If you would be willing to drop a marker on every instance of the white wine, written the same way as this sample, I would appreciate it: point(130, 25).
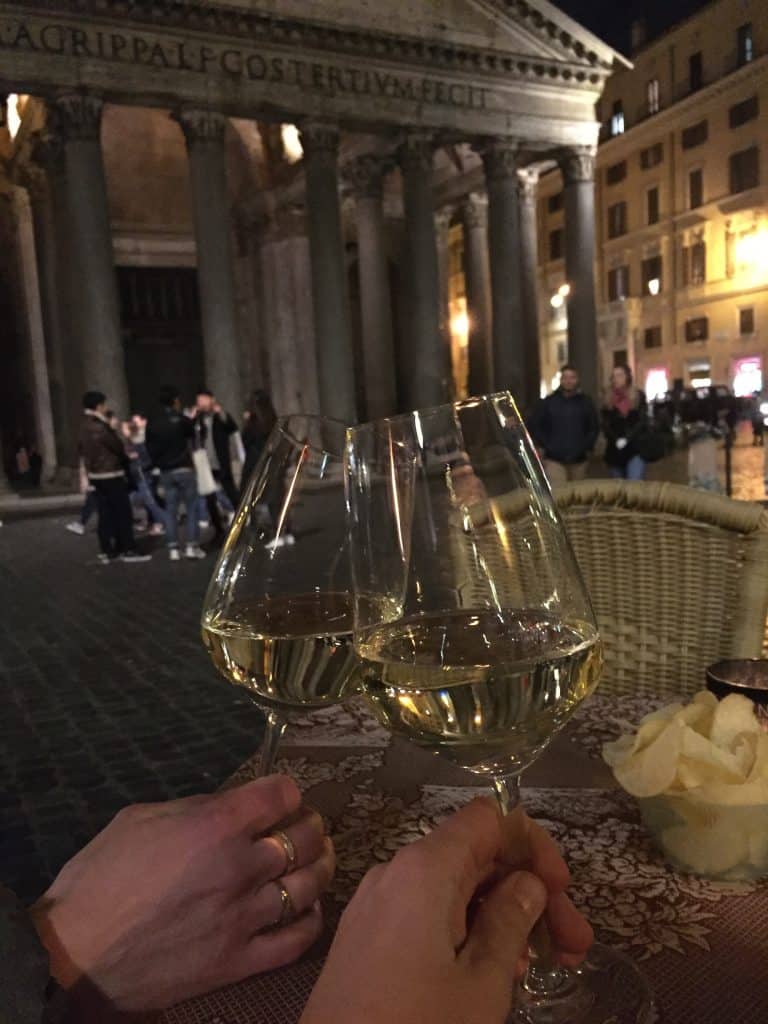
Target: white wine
point(485, 690)
point(291, 651)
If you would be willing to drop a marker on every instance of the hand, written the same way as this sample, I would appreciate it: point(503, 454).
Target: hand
point(216, 407)
point(416, 945)
point(171, 900)
point(621, 443)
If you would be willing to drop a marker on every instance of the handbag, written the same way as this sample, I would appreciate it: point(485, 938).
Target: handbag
point(650, 444)
point(205, 481)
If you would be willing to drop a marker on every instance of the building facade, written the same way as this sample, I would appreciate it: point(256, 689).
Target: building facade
point(682, 210)
point(264, 194)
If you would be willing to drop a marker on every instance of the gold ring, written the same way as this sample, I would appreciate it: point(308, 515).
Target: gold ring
point(287, 909)
point(288, 848)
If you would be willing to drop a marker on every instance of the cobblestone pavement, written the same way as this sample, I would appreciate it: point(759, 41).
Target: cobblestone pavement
point(108, 697)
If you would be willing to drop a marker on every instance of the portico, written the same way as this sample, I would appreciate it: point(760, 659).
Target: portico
point(399, 119)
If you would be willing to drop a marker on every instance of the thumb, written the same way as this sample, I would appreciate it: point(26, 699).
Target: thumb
point(500, 930)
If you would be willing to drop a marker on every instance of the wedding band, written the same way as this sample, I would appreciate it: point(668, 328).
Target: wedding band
point(288, 848)
point(287, 910)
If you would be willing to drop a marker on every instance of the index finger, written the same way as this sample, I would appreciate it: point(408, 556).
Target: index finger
point(465, 847)
point(258, 806)
point(527, 845)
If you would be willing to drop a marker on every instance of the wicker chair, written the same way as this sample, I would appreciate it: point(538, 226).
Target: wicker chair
point(678, 577)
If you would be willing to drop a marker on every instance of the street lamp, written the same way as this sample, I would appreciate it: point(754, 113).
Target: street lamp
point(752, 253)
point(292, 146)
point(12, 115)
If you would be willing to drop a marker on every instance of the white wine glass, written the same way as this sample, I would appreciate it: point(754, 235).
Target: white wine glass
point(277, 617)
point(475, 631)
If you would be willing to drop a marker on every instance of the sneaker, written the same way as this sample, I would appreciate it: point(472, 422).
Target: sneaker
point(174, 554)
point(134, 556)
point(103, 559)
point(285, 540)
point(193, 551)
point(156, 530)
point(77, 528)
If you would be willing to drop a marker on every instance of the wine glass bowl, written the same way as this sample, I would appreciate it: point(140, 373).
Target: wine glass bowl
point(277, 616)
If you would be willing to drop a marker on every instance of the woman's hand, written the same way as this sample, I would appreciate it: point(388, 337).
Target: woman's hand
point(438, 935)
point(172, 900)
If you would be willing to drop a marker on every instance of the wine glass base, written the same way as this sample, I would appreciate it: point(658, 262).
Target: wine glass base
point(608, 988)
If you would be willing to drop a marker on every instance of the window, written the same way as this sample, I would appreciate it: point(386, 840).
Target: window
point(652, 94)
point(617, 118)
point(695, 71)
point(618, 283)
point(652, 337)
point(652, 275)
point(651, 156)
point(697, 329)
point(699, 262)
point(556, 244)
point(616, 173)
point(742, 112)
point(747, 320)
point(617, 220)
point(744, 169)
point(695, 135)
point(747, 376)
point(745, 46)
point(652, 205)
point(620, 357)
point(695, 188)
point(555, 202)
point(700, 373)
point(656, 383)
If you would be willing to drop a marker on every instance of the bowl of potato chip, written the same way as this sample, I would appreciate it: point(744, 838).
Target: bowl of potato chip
point(699, 772)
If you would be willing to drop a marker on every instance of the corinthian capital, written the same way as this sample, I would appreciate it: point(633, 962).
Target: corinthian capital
point(47, 149)
point(577, 164)
point(474, 211)
point(206, 126)
point(77, 115)
point(527, 183)
point(366, 175)
point(416, 152)
point(500, 158)
point(319, 138)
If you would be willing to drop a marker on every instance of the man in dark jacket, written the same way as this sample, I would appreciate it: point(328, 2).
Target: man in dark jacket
point(214, 430)
point(103, 453)
point(169, 440)
point(564, 426)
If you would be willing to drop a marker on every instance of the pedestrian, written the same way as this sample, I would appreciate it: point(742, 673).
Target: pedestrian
point(139, 472)
point(260, 418)
point(564, 426)
point(89, 505)
point(215, 427)
point(169, 439)
point(624, 416)
point(106, 461)
point(758, 422)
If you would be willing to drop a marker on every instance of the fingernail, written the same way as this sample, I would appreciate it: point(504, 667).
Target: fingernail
point(529, 892)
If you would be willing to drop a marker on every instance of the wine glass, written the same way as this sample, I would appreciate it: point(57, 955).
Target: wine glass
point(475, 631)
point(277, 617)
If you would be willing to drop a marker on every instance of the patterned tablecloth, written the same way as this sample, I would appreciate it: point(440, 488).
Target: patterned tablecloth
point(703, 946)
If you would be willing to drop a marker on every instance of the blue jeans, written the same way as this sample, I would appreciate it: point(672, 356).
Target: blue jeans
point(148, 500)
point(634, 470)
point(180, 485)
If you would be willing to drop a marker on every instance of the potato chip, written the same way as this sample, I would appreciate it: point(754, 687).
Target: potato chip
point(760, 764)
point(734, 715)
point(716, 765)
point(707, 699)
point(652, 770)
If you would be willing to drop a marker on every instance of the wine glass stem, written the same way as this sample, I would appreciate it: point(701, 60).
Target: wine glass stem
point(273, 733)
point(543, 975)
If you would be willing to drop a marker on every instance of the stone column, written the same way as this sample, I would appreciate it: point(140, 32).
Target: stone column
point(94, 300)
point(474, 213)
point(578, 169)
point(204, 133)
point(366, 175)
point(500, 162)
point(426, 370)
point(41, 395)
point(330, 292)
point(529, 255)
point(46, 190)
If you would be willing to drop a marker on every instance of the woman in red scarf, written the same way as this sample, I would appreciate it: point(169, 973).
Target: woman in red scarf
point(624, 415)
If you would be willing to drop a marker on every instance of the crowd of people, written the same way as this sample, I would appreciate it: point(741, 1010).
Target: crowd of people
point(176, 462)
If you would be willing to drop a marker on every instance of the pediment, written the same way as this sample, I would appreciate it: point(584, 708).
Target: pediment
point(517, 28)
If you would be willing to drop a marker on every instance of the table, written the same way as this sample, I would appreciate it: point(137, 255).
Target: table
point(703, 945)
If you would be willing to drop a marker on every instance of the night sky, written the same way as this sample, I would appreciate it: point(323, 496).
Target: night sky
point(612, 23)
